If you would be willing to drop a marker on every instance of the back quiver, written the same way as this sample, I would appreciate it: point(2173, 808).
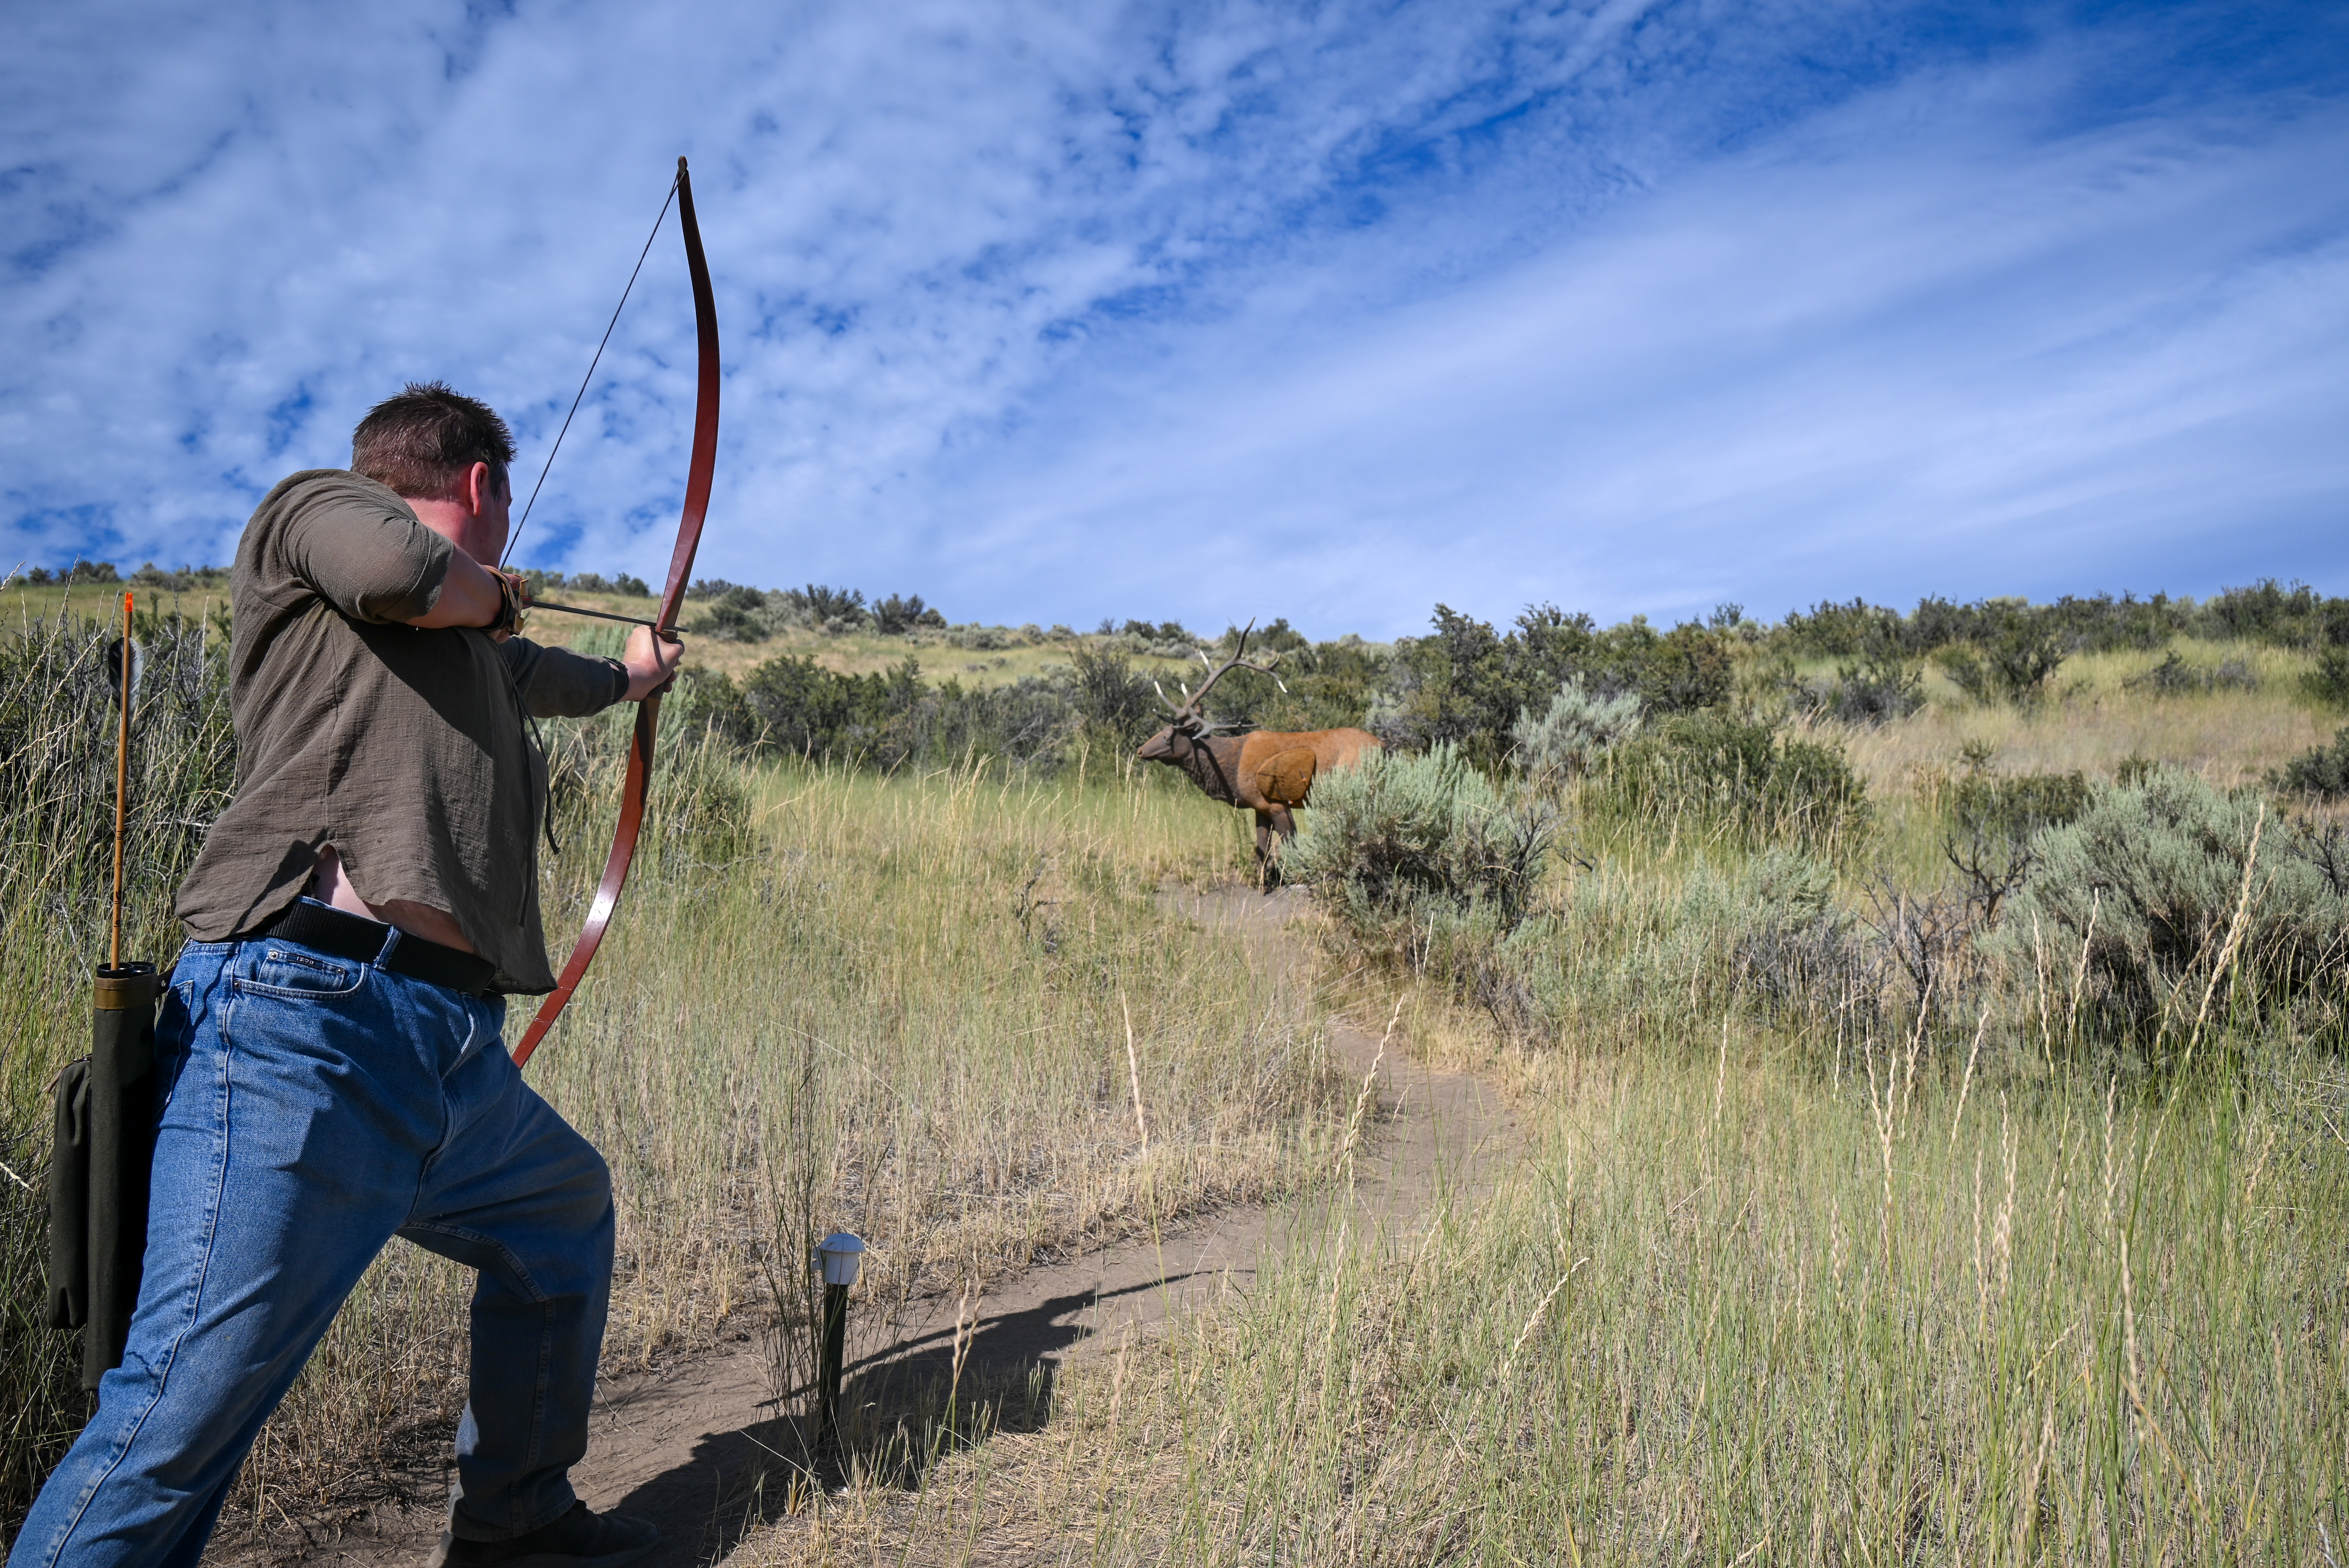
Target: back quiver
point(100, 1168)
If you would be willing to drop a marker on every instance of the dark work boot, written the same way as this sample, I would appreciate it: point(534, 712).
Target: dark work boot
point(577, 1540)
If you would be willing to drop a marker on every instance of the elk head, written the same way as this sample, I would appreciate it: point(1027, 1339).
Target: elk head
point(1187, 727)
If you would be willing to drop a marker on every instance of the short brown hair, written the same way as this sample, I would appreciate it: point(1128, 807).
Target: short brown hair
point(421, 442)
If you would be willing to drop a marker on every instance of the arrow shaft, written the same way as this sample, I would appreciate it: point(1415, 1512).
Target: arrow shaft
point(599, 614)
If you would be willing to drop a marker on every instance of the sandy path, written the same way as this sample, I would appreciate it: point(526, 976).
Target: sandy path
point(699, 1446)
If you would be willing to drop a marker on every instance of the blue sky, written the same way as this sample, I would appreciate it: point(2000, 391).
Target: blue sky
point(1331, 311)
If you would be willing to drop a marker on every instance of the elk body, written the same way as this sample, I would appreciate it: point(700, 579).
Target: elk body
point(1268, 772)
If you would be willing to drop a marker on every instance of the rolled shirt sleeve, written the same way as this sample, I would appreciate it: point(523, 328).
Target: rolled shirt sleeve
point(373, 563)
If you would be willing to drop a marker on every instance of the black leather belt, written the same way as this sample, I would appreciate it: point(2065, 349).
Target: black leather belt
point(361, 940)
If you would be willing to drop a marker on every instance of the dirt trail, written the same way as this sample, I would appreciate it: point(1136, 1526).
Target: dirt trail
point(698, 1446)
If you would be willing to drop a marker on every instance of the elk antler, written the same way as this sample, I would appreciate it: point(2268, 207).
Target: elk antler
point(1191, 709)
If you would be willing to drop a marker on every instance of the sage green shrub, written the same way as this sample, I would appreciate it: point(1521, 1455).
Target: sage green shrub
point(2328, 683)
point(2139, 893)
point(2015, 656)
point(1580, 727)
point(1401, 843)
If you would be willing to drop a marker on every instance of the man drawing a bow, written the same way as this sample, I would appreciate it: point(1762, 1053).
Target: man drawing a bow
point(329, 1061)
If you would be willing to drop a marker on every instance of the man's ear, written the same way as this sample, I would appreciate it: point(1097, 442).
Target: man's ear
point(478, 487)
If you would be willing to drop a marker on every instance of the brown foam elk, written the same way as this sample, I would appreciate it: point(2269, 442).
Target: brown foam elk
point(1269, 772)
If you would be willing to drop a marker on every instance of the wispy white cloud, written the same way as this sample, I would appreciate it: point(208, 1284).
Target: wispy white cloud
point(1053, 312)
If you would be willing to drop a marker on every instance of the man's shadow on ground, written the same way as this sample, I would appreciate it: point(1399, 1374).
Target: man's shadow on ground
point(902, 1410)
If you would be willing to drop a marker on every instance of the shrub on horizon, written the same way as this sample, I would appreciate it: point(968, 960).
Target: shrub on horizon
point(1467, 684)
point(2286, 618)
point(1880, 687)
point(2014, 665)
point(738, 615)
point(899, 614)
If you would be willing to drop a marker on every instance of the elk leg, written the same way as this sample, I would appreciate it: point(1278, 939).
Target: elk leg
point(1267, 824)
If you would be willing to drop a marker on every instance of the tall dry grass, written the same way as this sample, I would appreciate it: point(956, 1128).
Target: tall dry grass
point(1733, 1313)
point(2093, 719)
point(58, 742)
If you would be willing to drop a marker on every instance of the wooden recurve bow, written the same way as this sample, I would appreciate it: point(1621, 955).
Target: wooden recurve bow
point(680, 572)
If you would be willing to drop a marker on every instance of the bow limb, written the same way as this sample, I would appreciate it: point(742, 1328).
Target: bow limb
point(637, 782)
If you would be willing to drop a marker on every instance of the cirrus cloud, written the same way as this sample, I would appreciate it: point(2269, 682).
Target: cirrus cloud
point(1049, 311)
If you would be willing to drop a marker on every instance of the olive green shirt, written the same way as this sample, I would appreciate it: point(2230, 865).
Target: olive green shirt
point(405, 748)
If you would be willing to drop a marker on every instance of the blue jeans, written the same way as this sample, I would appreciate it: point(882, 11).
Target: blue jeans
point(313, 1108)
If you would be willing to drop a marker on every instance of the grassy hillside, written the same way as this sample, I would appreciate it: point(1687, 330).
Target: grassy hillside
point(1008, 654)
